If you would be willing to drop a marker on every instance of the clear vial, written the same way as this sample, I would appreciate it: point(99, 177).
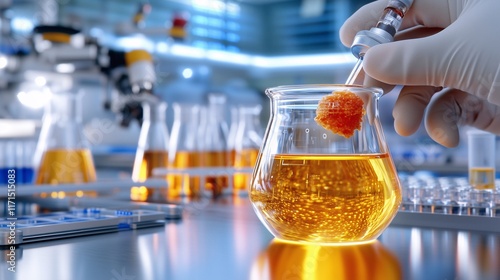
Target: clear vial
point(481, 159)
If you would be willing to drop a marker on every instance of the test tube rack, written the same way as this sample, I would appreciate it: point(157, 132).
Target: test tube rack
point(448, 203)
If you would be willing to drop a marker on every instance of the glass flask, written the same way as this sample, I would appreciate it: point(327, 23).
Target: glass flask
point(62, 155)
point(184, 150)
point(231, 137)
point(248, 140)
point(152, 152)
point(312, 185)
point(214, 150)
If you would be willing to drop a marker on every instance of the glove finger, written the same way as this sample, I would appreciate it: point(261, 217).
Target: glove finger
point(444, 59)
point(409, 108)
point(409, 62)
point(452, 108)
point(432, 13)
point(416, 32)
point(407, 34)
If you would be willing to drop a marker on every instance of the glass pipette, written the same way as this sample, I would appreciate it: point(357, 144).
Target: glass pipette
point(383, 32)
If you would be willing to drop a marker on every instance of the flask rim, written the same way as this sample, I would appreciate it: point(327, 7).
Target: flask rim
point(293, 91)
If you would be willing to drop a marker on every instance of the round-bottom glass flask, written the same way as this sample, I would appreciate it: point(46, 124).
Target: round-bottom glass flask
point(314, 185)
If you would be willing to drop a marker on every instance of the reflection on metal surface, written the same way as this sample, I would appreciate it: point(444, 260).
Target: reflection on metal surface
point(444, 254)
point(416, 252)
point(464, 266)
point(286, 260)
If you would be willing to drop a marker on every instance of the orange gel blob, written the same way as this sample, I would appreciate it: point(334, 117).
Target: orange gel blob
point(340, 112)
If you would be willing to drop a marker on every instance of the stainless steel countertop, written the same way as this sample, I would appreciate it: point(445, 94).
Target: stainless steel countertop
point(227, 241)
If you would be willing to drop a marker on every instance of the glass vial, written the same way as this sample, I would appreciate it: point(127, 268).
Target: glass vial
point(481, 162)
point(184, 150)
point(62, 155)
point(152, 152)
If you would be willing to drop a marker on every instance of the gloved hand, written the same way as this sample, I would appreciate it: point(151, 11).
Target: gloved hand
point(441, 44)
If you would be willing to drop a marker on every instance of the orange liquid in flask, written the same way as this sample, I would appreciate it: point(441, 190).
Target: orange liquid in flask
point(244, 159)
point(216, 183)
point(188, 183)
point(67, 166)
point(328, 198)
point(151, 159)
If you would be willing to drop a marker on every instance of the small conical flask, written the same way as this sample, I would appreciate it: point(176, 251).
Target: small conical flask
point(231, 137)
point(215, 135)
point(62, 155)
point(248, 140)
point(152, 151)
point(184, 150)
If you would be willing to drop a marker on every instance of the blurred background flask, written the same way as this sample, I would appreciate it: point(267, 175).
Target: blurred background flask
point(247, 143)
point(152, 152)
point(62, 155)
point(214, 136)
point(184, 150)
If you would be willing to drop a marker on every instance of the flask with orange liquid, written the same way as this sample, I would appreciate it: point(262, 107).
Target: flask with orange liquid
point(215, 153)
point(62, 155)
point(152, 152)
point(184, 150)
point(248, 139)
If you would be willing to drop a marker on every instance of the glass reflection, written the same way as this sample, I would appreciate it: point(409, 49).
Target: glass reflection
point(287, 260)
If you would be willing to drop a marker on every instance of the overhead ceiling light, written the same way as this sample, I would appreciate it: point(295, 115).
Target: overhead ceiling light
point(187, 73)
point(65, 68)
point(3, 61)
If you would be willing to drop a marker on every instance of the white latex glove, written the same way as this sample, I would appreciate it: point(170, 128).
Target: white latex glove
point(443, 43)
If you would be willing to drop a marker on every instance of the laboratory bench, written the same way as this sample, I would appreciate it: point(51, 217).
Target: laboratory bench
point(224, 239)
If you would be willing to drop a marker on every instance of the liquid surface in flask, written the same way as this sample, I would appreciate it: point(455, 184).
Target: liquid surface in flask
point(327, 198)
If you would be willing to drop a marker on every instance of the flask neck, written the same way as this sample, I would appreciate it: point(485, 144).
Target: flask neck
point(154, 133)
point(185, 112)
point(65, 107)
point(155, 112)
point(216, 107)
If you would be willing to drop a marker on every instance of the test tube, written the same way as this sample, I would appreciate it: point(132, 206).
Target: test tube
point(481, 159)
